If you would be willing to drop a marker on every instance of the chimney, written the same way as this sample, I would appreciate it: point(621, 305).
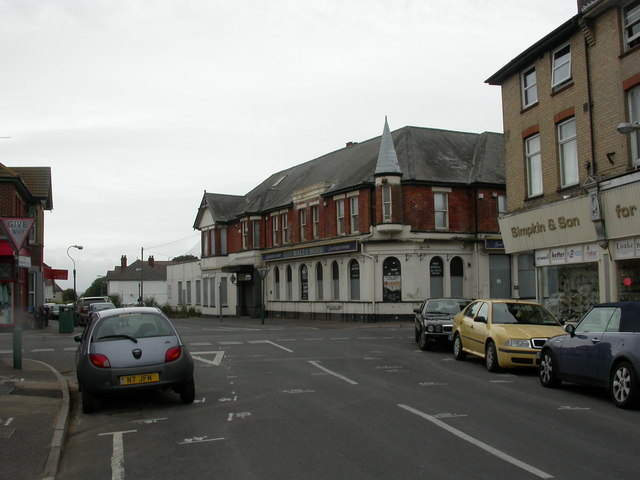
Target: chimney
point(123, 261)
point(152, 261)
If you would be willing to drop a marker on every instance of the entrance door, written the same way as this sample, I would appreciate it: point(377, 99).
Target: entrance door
point(500, 276)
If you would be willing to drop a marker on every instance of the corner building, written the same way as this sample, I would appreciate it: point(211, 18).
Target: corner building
point(573, 178)
point(364, 233)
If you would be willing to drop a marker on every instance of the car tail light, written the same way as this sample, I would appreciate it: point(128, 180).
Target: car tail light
point(99, 360)
point(173, 354)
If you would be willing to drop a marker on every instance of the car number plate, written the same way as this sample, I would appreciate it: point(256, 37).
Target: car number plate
point(141, 378)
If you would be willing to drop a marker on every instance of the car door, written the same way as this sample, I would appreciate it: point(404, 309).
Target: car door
point(471, 330)
point(584, 353)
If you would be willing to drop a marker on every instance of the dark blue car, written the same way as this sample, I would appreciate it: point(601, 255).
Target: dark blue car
point(602, 350)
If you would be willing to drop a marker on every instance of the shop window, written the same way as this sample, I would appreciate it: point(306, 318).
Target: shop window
point(456, 273)
point(304, 283)
point(319, 282)
point(354, 279)
point(526, 276)
point(289, 283)
point(436, 277)
point(335, 281)
point(391, 280)
point(276, 282)
point(629, 280)
point(569, 291)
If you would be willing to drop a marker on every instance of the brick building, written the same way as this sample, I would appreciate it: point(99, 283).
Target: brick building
point(573, 188)
point(25, 193)
point(360, 234)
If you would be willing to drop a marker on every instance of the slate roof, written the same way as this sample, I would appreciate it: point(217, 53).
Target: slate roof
point(425, 155)
point(37, 181)
point(132, 273)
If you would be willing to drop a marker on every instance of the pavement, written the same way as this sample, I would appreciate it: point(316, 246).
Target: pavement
point(35, 403)
point(34, 415)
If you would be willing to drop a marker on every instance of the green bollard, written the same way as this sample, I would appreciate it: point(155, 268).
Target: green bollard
point(17, 347)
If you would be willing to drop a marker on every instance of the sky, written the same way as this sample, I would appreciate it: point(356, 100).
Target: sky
point(140, 106)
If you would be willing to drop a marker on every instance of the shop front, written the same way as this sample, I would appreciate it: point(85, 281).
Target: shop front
point(586, 249)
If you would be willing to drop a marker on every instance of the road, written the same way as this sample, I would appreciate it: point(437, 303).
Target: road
point(334, 401)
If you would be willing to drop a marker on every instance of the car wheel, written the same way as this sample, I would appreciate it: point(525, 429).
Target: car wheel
point(491, 357)
point(88, 402)
point(188, 392)
point(624, 386)
point(548, 370)
point(458, 352)
point(423, 342)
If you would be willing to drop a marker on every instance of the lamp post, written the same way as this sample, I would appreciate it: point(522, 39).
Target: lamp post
point(75, 293)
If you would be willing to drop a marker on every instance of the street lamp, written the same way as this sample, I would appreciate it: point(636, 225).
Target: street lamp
point(626, 128)
point(75, 294)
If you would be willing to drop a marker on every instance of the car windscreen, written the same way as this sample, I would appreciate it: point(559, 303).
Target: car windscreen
point(132, 325)
point(522, 313)
point(445, 306)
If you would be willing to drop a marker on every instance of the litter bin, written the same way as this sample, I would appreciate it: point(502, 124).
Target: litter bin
point(65, 320)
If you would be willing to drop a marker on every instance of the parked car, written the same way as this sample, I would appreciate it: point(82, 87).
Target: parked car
point(82, 307)
point(54, 310)
point(131, 349)
point(506, 333)
point(99, 306)
point(434, 320)
point(602, 350)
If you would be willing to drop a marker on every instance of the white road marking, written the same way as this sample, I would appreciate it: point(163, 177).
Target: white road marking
point(149, 420)
point(216, 361)
point(188, 441)
point(468, 438)
point(40, 350)
point(341, 377)
point(117, 459)
point(271, 343)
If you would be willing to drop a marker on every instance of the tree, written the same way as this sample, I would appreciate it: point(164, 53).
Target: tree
point(68, 295)
point(97, 289)
point(185, 258)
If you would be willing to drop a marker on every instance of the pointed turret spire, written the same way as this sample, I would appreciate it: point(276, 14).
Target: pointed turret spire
point(387, 158)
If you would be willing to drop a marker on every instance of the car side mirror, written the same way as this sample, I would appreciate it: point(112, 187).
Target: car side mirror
point(77, 338)
point(480, 319)
point(570, 329)
point(416, 310)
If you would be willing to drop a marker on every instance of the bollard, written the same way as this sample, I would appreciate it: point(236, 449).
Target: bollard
point(17, 347)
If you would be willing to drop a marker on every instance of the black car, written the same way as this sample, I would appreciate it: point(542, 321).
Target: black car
point(602, 350)
point(434, 319)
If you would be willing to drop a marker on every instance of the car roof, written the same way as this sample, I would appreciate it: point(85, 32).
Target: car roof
point(120, 311)
point(625, 306)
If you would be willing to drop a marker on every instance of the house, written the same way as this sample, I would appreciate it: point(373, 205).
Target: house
point(25, 194)
point(140, 280)
point(573, 182)
point(363, 233)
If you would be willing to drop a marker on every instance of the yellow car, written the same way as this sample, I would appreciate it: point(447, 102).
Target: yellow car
point(506, 333)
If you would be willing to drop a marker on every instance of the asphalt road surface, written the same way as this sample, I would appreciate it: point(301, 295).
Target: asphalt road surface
point(344, 401)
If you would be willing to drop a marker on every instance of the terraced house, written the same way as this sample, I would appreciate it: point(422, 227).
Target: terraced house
point(571, 107)
point(360, 234)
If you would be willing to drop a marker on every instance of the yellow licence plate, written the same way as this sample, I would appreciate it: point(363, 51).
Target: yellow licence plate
point(137, 379)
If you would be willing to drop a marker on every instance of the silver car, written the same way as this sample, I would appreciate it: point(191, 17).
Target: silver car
point(131, 349)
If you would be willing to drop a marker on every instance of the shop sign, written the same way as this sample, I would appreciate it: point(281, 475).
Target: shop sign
point(334, 248)
point(557, 255)
point(628, 248)
point(574, 254)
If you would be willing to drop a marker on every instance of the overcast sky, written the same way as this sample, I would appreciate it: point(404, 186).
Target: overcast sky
point(139, 106)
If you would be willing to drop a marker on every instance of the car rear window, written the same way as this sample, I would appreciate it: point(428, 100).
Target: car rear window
point(136, 325)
